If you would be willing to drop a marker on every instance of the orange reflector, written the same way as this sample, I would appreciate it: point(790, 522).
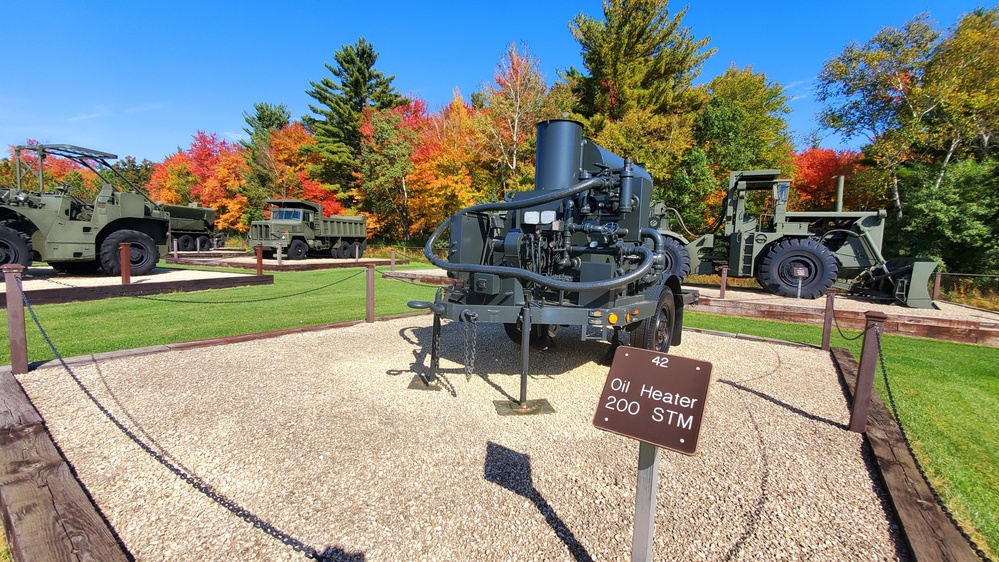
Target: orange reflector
point(612, 318)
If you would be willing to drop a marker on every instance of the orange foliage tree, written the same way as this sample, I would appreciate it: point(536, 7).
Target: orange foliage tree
point(815, 177)
point(210, 172)
point(291, 165)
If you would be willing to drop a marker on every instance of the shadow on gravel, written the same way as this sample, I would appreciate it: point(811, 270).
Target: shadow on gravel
point(785, 405)
point(512, 470)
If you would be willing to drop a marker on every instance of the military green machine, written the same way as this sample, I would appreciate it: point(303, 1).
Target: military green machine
point(72, 234)
point(576, 251)
point(300, 229)
point(192, 226)
point(797, 254)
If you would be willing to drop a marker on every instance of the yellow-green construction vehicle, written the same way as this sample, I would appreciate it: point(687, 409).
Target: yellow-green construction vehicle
point(797, 253)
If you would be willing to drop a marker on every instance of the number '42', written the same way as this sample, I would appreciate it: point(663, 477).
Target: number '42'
point(660, 361)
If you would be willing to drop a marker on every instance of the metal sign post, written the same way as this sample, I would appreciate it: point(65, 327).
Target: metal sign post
point(800, 273)
point(657, 399)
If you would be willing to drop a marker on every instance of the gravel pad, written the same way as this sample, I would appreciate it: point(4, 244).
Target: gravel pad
point(317, 435)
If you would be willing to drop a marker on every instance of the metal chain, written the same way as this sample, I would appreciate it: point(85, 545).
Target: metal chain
point(908, 445)
point(193, 480)
point(159, 299)
point(471, 337)
point(844, 336)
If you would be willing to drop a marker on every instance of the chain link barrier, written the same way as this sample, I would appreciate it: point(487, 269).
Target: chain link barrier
point(908, 445)
point(196, 482)
point(102, 291)
point(471, 332)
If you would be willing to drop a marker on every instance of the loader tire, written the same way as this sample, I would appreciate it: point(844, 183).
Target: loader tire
point(656, 332)
point(143, 253)
point(15, 247)
point(677, 258)
point(776, 271)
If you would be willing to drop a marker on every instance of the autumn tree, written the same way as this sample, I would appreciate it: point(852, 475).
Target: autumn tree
point(261, 177)
point(210, 172)
point(341, 99)
point(289, 152)
point(816, 170)
point(445, 160)
point(388, 138)
point(638, 99)
point(510, 107)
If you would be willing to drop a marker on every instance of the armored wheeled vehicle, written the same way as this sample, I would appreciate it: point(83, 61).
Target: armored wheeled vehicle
point(300, 229)
point(797, 253)
point(73, 234)
point(578, 251)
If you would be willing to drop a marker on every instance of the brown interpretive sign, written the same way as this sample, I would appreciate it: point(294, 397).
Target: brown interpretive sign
point(654, 397)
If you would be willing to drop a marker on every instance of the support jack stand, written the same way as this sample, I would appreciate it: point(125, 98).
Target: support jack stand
point(524, 407)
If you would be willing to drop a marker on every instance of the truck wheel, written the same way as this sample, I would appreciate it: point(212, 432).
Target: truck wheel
point(656, 332)
point(354, 250)
point(15, 247)
point(541, 334)
point(143, 254)
point(204, 242)
point(777, 269)
point(297, 250)
point(341, 250)
point(185, 243)
point(677, 258)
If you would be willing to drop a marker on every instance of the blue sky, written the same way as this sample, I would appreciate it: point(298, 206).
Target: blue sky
point(140, 78)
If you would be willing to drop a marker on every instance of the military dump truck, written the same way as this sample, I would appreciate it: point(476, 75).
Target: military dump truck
point(797, 254)
point(576, 251)
point(299, 228)
point(192, 226)
point(72, 234)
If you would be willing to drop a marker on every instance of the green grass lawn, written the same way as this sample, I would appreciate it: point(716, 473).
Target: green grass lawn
point(948, 400)
point(947, 393)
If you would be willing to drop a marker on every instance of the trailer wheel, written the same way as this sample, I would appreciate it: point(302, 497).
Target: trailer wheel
point(541, 334)
point(204, 242)
point(143, 254)
point(185, 243)
point(15, 247)
point(297, 250)
point(656, 332)
point(677, 258)
point(777, 269)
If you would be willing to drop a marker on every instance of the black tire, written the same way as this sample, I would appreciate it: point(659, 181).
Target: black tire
point(341, 250)
point(15, 247)
point(656, 332)
point(143, 255)
point(677, 258)
point(204, 242)
point(185, 243)
point(77, 267)
point(354, 250)
point(297, 250)
point(541, 334)
point(776, 271)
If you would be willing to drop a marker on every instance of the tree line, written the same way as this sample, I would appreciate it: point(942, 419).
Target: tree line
point(920, 99)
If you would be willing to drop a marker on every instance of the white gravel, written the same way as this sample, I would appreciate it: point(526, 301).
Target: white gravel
point(318, 435)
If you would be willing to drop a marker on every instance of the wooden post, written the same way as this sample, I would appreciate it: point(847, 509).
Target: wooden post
point(865, 372)
point(260, 259)
point(645, 503)
point(936, 287)
point(125, 261)
point(369, 313)
point(392, 264)
point(15, 319)
point(724, 281)
point(828, 319)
